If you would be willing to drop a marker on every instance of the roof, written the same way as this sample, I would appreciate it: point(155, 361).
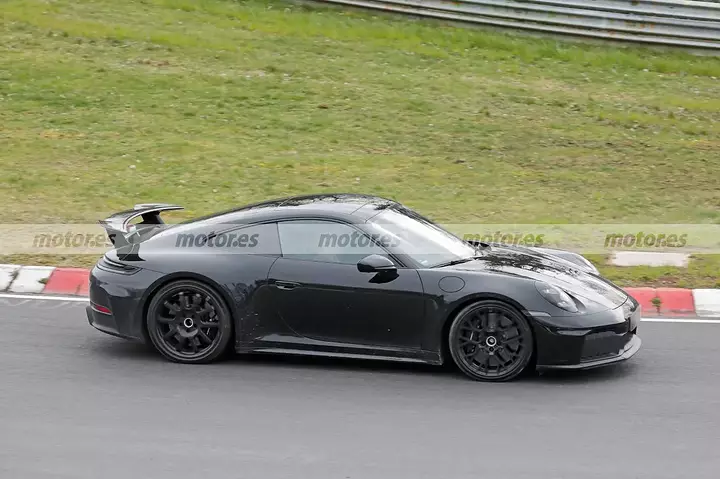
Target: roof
point(326, 204)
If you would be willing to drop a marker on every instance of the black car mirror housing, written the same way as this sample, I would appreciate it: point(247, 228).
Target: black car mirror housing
point(375, 263)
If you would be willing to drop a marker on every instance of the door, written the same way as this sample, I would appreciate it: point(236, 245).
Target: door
point(320, 294)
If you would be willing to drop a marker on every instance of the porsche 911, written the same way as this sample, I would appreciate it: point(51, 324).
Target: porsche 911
point(353, 276)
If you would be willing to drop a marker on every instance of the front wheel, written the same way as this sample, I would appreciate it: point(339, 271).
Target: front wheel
point(188, 322)
point(491, 341)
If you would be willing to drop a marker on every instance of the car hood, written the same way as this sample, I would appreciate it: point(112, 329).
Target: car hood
point(543, 267)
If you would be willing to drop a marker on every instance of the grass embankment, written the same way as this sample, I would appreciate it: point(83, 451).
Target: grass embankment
point(211, 103)
point(703, 271)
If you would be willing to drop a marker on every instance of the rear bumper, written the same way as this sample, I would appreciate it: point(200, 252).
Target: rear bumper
point(104, 322)
point(123, 295)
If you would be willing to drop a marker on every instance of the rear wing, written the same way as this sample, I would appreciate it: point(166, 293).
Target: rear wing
point(122, 233)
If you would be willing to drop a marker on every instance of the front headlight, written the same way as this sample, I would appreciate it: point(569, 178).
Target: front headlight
point(627, 308)
point(556, 296)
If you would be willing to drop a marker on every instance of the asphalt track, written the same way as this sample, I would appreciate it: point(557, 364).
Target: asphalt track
point(75, 403)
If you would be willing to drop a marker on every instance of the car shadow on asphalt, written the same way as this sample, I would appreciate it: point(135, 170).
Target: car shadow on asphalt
point(335, 363)
point(107, 347)
point(115, 348)
point(614, 372)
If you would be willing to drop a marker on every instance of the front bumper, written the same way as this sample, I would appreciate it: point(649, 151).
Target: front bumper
point(628, 351)
point(611, 337)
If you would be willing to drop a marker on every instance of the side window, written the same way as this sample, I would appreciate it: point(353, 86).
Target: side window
point(257, 239)
point(252, 239)
point(325, 241)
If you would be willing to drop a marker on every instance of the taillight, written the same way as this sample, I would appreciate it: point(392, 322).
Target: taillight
point(100, 309)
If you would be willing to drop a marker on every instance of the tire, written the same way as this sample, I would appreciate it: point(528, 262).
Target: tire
point(490, 341)
point(188, 322)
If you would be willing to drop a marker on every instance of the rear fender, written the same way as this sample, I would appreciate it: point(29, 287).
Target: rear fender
point(144, 302)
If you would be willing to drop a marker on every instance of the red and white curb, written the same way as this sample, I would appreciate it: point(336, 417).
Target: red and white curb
point(74, 282)
point(43, 279)
point(678, 301)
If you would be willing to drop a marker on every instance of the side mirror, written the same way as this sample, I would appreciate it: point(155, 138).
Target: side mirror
point(376, 263)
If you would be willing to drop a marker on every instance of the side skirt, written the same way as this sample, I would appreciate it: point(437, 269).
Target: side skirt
point(419, 356)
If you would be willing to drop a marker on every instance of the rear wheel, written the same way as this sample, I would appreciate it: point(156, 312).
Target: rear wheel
point(491, 341)
point(188, 322)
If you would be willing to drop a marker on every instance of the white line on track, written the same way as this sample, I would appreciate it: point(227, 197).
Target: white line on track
point(79, 299)
point(681, 320)
point(82, 299)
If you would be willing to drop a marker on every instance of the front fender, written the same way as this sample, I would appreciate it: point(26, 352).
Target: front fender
point(442, 306)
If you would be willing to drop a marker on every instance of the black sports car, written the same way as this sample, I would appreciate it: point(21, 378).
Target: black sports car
point(354, 276)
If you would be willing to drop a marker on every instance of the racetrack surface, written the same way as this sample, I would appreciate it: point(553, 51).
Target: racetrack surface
point(75, 403)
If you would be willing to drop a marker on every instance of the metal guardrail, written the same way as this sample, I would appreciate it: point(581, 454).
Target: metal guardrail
point(666, 22)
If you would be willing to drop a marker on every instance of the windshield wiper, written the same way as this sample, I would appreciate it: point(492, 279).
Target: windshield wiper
point(480, 246)
point(456, 261)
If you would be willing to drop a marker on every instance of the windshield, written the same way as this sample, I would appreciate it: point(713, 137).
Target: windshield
point(419, 238)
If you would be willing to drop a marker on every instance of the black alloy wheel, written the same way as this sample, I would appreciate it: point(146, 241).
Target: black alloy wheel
point(188, 322)
point(491, 341)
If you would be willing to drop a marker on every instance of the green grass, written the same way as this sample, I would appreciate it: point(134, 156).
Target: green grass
point(703, 271)
point(211, 103)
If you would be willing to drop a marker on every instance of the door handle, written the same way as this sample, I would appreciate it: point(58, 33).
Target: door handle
point(286, 285)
